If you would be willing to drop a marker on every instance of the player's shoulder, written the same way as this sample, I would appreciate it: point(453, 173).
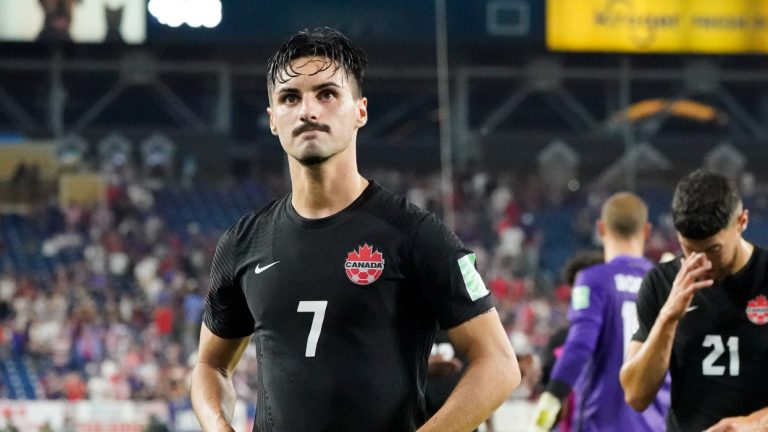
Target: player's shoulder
point(268, 215)
point(423, 227)
point(593, 273)
point(760, 255)
point(663, 273)
point(598, 277)
point(397, 209)
point(756, 268)
point(670, 267)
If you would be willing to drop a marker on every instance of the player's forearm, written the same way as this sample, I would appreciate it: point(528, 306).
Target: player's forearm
point(760, 416)
point(213, 398)
point(642, 375)
point(486, 384)
point(577, 351)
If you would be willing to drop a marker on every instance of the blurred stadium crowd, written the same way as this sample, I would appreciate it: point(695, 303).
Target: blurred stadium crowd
point(103, 302)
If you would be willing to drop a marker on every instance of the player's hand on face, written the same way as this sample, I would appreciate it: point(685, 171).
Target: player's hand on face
point(690, 278)
point(736, 424)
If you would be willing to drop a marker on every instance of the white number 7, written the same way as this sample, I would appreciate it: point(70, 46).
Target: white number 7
point(318, 308)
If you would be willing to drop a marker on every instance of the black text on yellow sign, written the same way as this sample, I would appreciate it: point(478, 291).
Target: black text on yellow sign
point(658, 26)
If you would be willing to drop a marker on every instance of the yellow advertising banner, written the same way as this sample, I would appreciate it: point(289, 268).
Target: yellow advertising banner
point(658, 26)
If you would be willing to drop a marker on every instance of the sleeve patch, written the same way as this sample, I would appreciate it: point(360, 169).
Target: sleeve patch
point(580, 297)
point(472, 280)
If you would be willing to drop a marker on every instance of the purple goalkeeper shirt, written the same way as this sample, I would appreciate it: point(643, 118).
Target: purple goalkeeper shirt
point(603, 319)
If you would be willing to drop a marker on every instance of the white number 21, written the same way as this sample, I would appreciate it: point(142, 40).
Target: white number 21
point(317, 307)
point(708, 367)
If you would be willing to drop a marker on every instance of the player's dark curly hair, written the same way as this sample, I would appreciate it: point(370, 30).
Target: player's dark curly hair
point(579, 261)
point(323, 42)
point(704, 203)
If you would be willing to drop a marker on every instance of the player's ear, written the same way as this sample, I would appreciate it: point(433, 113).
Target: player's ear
point(362, 111)
point(601, 228)
point(743, 220)
point(272, 126)
point(647, 230)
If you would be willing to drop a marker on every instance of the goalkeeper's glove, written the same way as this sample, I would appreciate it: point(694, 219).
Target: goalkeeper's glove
point(546, 413)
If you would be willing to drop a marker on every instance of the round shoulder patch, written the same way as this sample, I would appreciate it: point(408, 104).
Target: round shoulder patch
point(757, 310)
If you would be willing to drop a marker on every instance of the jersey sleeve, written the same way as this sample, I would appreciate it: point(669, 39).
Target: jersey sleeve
point(226, 312)
point(446, 274)
point(648, 305)
point(586, 314)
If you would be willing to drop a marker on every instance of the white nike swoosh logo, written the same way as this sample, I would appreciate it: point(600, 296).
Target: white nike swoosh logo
point(691, 308)
point(258, 269)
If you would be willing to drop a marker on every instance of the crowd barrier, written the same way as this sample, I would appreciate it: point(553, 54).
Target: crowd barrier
point(130, 416)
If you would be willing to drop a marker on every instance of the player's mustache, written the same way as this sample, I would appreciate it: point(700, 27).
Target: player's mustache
point(310, 126)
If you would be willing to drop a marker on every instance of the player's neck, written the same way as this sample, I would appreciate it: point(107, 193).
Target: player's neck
point(743, 255)
point(326, 189)
point(613, 248)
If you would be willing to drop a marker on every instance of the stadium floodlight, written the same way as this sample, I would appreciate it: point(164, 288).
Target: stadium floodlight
point(194, 13)
point(157, 150)
point(115, 150)
point(71, 150)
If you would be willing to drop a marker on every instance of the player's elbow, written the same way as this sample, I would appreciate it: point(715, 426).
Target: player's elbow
point(635, 398)
point(515, 377)
point(510, 376)
point(634, 395)
point(636, 402)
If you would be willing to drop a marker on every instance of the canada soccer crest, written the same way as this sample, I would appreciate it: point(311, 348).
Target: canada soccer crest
point(757, 310)
point(365, 265)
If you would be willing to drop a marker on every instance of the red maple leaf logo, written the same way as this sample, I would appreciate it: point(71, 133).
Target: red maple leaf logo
point(365, 265)
point(757, 310)
point(758, 302)
point(365, 253)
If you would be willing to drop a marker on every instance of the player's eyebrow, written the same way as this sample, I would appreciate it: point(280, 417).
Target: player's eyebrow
point(288, 90)
point(316, 88)
point(325, 85)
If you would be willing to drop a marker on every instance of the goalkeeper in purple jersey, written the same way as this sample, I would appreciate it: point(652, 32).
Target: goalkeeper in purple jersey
point(603, 318)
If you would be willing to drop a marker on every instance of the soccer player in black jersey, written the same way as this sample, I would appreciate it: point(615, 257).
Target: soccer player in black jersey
point(704, 317)
point(341, 283)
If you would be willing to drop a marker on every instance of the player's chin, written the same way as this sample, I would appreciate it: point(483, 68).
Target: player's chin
point(312, 160)
point(312, 155)
point(716, 276)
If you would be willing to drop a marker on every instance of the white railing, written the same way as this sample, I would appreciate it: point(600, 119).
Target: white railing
point(131, 416)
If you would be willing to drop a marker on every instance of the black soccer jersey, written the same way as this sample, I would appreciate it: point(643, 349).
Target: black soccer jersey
point(719, 363)
point(343, 309)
